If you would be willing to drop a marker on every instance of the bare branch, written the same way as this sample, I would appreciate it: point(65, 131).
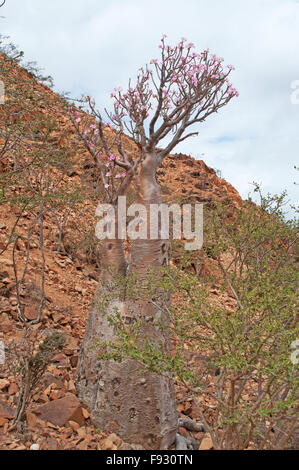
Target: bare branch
point(187, 88)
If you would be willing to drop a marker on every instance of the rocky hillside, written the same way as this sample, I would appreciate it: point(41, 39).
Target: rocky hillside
point(55, 418)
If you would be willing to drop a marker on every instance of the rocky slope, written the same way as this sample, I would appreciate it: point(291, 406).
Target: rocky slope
point(55, 418)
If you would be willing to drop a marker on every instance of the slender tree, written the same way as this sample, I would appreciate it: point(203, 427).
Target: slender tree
point(170, 97)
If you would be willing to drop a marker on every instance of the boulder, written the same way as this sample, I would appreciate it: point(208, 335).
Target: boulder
point(60, 411)
point(6, 411)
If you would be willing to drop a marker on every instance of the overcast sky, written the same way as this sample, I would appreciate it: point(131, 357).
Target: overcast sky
point(92, 46)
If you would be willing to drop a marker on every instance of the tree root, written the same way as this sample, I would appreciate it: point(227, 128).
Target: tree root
point(182, 443)
point(190, 425)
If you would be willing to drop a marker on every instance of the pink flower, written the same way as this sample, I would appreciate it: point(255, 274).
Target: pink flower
point(124, 174)
point(106, 186)
point(117, 176)
point(112, 157)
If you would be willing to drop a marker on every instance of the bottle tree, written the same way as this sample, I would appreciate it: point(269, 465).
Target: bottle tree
point(171, 96)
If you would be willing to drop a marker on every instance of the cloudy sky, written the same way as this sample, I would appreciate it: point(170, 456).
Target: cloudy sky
point(92, 46)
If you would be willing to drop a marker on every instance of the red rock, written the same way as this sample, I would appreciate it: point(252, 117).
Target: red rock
point(13, 389)
point(58, 358)
point(68, 350)
point(31, 312)
point(75, 426)
point(52, 378)
point(4, 383)
point(56, 394)
point(3, 421)
point(31, 419)
point(74, 360)
point(7, 262)
point(51, 443)
point(48, 390)
point(71, 386)
point(206, 443)
point(6, 327)
point(195, 413)
point(107, 444)
point(82, 445)
point(6, 411)
point(180, 407)
point(116, 439)
point(85, 413)
point(59, 412)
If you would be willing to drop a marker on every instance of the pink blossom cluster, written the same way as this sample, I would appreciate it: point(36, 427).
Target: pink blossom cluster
point(135, 103)
point(110, 165)
point(90, 134)
point(181, 77)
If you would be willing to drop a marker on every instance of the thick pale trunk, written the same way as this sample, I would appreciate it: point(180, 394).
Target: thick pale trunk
point(113, 259)
point(139, 407)
point(90, 369)
point(148, 254)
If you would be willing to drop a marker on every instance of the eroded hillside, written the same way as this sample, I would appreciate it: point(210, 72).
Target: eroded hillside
point(34, 128)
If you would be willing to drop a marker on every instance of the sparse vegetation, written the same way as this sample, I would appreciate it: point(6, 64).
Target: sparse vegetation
point(233, 316)
point(238, 326)
point(28, 360)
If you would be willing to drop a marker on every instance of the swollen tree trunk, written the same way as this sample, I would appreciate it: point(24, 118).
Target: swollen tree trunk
point(147, 257)
point(148, 254)
point(137, 405)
